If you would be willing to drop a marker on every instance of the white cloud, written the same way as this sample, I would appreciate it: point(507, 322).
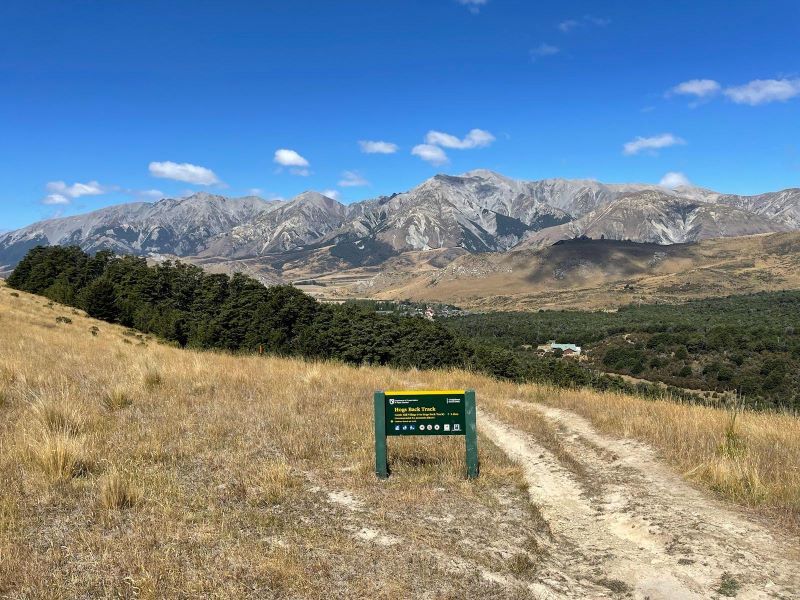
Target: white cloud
point(183, 172)
point(700, 88)
point(674, 179)
point(152, 194)
point(763, 91)
point(377, 147)
point(652, 143)
point(476, 138)
point(53, 199)
point(543, 50)
point(62, 193)
point(255, 192)
point(352, 179)
point(331, 194)
point(76, 190)
point(569, 24)
point(473, 5)
point(290, 158)
point(432, 154)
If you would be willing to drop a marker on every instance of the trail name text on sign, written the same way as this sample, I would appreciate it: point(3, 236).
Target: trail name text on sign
point(425, 412)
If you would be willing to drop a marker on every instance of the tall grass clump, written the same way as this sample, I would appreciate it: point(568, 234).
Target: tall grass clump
point(58, 417)
point(119, 492)
point(60, 457)
point(116, 399)
point(152, 379)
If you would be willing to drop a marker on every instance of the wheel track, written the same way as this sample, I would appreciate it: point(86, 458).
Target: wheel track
point(645, 526)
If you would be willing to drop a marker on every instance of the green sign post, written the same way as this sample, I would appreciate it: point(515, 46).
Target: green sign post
point(425, 412)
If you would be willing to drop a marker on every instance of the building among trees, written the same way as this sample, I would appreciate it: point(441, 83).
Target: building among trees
point(563, 349)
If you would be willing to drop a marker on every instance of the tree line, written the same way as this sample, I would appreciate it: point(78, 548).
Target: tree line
point(747, 345)
point(189, 307)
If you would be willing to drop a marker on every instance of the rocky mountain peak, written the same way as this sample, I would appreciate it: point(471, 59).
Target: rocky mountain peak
point(478, 211)
point(318, 200)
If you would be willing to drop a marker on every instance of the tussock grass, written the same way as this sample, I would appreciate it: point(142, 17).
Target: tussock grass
point(60, 457)
point(116, 399)
point(58, 417)
point(151, 379)
point(118, 491)
point(228, 476)
point(249, 477)
point(521, 565)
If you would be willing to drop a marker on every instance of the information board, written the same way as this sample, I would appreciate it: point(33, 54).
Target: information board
point(425, 412)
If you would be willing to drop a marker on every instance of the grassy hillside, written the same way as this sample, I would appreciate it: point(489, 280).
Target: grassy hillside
point(129, 467)
point(134, 469)
point(602, 274)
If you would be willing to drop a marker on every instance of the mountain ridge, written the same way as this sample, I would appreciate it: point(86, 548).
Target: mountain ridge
point(478, 211)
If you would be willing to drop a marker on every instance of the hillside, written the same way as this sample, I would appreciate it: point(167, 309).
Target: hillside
point(135, 469)
point(600, 274)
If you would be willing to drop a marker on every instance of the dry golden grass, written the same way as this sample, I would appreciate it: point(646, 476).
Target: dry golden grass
point(116, 399)
point(118, 491)
point(132, 470)
point(750, 458)
point(145, 471)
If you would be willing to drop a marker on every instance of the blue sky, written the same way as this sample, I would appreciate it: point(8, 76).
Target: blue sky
point(105, 102)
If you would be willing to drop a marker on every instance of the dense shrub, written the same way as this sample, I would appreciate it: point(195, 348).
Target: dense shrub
point(748, 344)
point(183, 304)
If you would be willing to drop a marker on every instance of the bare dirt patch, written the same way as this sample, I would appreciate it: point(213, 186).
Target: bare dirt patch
point(645, 530)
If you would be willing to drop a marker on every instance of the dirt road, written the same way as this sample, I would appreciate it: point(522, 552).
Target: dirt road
point(634, 528)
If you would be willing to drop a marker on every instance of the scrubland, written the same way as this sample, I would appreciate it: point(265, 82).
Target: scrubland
point(133, 469)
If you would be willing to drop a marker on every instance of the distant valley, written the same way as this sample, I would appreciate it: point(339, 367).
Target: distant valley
point(598, 274)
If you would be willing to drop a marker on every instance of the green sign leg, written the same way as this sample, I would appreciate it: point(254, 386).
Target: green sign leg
point(381, 465)
point(472, 434)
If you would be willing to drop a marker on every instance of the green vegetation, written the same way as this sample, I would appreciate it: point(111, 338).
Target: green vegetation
point(685, 347)
point(728, 586)
point(748, 346)
point(183, 304)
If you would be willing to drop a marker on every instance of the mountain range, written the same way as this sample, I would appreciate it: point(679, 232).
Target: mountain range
point(479, 211)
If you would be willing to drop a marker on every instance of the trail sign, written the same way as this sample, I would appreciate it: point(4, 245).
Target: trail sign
point(425, 412)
